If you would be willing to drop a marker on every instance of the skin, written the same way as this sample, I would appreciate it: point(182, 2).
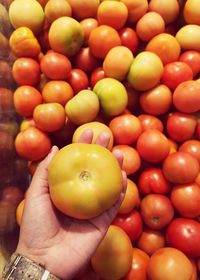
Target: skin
point(60, 243)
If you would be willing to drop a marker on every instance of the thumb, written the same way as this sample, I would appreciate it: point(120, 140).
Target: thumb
point(39, 182)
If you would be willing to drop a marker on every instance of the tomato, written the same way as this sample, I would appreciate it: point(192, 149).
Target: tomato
point(150, 122)
point(156, 101)
point(192, 58)
point(57, 92)
point(26, 98)
point(19, 212)
point(165, 46)
point(32, 144)
point(149, 25)
point(132, 161)
point(85, 61)
point(49, 117)
point(180, 167)
point(192, 147)
point(157, 211)
point(131, 223)
point(186, 41)
point(96, 75)
point(140, 262)
point(106, 16)
point(78, 80)
point(27, 122)
point(82, 195)
point(175, 73)
point(136, 9)
point(83, 9)
point(186, 199)
point(126, 129)
point(129, 39)
point(153, 145)
point(170, 263)
point(102, 39)
point(184, 234)
point(180, 126)
point(186, 97)
point(26, 71)
point(131, 198)
point(55, 9)
point(97, 128)
point(151, 240)
point(113, 257)
point(88, 24)
point(152, 180)
point(83, 107)
point(55, 66)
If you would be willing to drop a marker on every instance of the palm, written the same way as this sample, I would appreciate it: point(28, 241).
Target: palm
point(69, 242)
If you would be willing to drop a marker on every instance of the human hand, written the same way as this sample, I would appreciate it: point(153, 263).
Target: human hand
point(61, 243)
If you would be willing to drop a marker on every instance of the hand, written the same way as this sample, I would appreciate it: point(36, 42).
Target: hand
point(61, 243)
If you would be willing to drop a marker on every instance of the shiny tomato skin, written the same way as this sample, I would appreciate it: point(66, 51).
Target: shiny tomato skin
point(131, 223)
point(184, 234)
point(78, 80)
point(180, 168)
point(96, 75)
point(192, 58)
point(150, 121)
point(191, 146)
point(129, 38)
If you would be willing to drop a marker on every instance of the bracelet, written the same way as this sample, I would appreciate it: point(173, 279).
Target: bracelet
point(21, 268)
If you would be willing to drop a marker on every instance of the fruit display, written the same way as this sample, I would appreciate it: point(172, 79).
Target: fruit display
point(128, 68)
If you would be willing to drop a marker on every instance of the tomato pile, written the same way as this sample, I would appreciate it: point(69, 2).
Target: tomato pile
point(132, 68)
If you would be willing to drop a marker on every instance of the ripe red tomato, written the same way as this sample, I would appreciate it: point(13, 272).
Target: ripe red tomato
point(55, 66)
point(149, 121)
point(26, 71)
point(184, 234)
point(152, 180)
point(180, 168)
point(192, 147)
point(157, 211)
point(186, 200)
point(192, 58)
point(32, 144)
point(175, 73)
point(96, 76)
point(129, 38)
point(153, 146)
point(181, 126)
point(131, 223)
point(78, 80)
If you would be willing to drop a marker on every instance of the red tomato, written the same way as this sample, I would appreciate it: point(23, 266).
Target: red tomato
point(186, 97)
point(184, 234)
point(96, 76)
point(175, 73)
point(156, 101)
point(126, 129)
point(149, 121)
point(180, 168)
point(152, 180)
point(140, 262)
point(32, 144)
point(78, 80)
point(129, 38)
point(88, 24)
point(26, 71)
point(192, 58)
point(85, 61)
point(55, 66)
point(180, 126)
point(192, 147)
point(153, 146)
point(131, 223)
point(151, 240)
point(157, 211)
point(186, 200)
point(26, 98)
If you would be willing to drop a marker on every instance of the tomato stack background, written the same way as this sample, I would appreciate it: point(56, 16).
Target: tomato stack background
point(132, 68)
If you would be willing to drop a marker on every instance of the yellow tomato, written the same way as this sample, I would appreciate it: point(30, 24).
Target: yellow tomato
point(84, 180)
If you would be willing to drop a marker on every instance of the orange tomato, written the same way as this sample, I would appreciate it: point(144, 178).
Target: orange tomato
point(131, 199)
point(26, 98)
point(19, 212)
point(102, 39)
point(55, 9)
point(126, 129)
point(88, 24)
point(82, 9)
point(136, 9)
point(106, 16)
point(132, 160)
point(57, 92)
point(191, 11)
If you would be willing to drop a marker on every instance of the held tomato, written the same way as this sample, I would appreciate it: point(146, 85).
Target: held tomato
point(184, 234)
point(131, 223)
point(79, 192)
